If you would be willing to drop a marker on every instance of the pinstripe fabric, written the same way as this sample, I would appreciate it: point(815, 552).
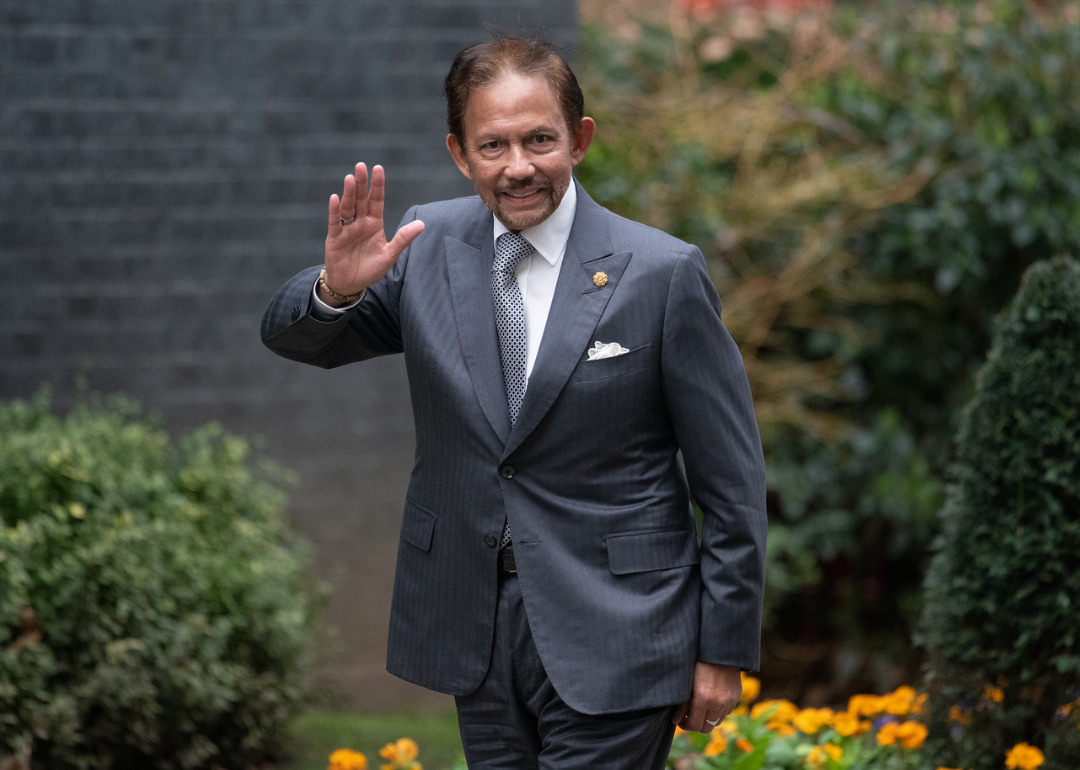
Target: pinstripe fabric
point(620, 597)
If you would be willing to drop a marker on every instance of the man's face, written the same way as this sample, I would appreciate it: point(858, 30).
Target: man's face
point(518, 150)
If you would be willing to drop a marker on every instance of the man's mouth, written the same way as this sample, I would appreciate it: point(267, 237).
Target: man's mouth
point(523, 195)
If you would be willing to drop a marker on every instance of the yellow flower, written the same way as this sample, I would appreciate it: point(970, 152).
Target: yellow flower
point(717, 744)
point(400, 753)
point(810, 721)
point(919, 706)
point(740, 711)
point(728, 726)
point(912, 735)
point(346, 759)
point(887, 736)
point(996, 694)
point(846, 723)
point(1024, 756)
point(818, 754)
point(900, 701)
point(781, 712)
point(679, 731)
point(744, 745)
point(866, 705)
point(751, 688)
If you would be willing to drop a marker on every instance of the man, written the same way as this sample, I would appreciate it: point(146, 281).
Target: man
point(549, 573)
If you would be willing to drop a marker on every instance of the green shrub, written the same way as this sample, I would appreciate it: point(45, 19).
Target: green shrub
point(868, 184)
point(987, 95)
point(1003, 593)
point(153, 610)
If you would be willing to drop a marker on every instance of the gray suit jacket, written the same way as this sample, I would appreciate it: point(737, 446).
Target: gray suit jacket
point(620, 596)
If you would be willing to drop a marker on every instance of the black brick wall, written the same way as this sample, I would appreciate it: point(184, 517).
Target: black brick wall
point(164, 166)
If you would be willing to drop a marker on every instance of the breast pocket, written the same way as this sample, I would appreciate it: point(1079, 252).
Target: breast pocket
point(636, 360)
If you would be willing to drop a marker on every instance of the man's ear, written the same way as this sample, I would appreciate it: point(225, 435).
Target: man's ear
point(457, 152)
point(582, 139)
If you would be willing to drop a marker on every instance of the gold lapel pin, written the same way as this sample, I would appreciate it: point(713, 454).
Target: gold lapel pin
point(600, 279)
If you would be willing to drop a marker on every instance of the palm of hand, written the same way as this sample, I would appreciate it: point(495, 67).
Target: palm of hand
point(357, 254)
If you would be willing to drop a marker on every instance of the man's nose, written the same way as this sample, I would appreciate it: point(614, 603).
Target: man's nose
point(518, 163)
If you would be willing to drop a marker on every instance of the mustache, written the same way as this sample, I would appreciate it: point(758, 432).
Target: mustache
point(523, 184)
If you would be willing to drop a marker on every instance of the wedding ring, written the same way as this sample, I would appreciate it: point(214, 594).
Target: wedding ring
point(348, 221)
point(710, 722)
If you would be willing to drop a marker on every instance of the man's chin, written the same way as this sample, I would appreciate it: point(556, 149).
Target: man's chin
point(524, 219)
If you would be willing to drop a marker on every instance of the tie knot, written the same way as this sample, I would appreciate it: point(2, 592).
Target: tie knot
point(510, 249)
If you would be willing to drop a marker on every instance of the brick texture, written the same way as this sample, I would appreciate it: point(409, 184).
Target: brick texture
point(164, 166)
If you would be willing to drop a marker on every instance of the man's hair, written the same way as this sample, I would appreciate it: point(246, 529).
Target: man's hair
point(482, 64)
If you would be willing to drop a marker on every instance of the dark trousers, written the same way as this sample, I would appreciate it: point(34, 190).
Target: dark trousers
point(516, 721)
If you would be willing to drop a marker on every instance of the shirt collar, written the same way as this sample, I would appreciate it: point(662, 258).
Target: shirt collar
point(550, 236)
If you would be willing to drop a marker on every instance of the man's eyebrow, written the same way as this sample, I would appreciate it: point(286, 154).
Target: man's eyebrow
point(490, 137)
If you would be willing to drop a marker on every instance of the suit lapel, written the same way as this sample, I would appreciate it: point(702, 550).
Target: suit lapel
point(575, 310)
point(469, 269)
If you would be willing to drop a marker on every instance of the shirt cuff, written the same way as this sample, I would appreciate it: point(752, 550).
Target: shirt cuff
point(320, 311)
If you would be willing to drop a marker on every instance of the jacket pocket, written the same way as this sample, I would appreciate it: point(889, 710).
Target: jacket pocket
point(417, 525)
point(630, 552)
point(615, 366)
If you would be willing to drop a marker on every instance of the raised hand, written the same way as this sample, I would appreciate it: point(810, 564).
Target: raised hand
point(357, 254)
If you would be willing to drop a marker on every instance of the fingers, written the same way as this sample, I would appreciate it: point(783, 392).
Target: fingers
point(680, 712)
point(377, 195)
point(349, 194)
point(406, 235)
point(716, 691)
point(361, 209)
point(333, 225)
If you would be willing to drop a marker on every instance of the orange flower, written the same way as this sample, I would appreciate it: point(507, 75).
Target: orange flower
point(959, 714)
point(810, 721)
point(919, 706)
point(717, 743)
point(346, 759)
point(751, 688)
point(912, 735)
point(740, 711)
point(400, 753)
point(866, 705)
point(996, 694)
point(1024, 756)
point(900, 701)
point(846, 723)
point(887, 736)
point(781, 712)
point(744, 745)
point(818, 754)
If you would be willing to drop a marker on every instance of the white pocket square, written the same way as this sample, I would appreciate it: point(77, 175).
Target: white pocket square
point(606, 350)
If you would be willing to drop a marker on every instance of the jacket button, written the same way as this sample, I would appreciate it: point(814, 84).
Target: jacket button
point(507, 471)
point(490, 540)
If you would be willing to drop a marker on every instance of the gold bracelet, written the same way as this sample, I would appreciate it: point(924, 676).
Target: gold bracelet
point(344, 299)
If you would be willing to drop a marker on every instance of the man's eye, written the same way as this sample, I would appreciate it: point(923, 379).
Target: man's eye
point(490, 146)
point(541, 139)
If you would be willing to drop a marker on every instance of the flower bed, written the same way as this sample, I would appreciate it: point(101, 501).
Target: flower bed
point(874, 732)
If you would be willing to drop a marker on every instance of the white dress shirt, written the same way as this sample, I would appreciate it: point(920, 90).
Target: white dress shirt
point(536, 276)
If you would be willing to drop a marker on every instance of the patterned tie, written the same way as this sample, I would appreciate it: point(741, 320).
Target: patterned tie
point(510, 249)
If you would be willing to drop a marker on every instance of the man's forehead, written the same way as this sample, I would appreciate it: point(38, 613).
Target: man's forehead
point(515, 99)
